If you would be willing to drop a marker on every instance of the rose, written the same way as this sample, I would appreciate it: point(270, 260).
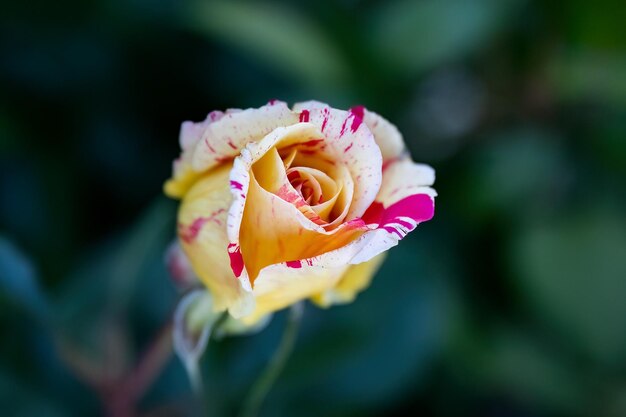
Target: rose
point(281, 205)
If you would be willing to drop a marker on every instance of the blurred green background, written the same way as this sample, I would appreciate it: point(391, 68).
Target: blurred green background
point(511, 302)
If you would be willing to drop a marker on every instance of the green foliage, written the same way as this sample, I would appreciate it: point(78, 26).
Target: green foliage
point(572, 270)
point(278, 36)
point(19, 284)
point(440, 32)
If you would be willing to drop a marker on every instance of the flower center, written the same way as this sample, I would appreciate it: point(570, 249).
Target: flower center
point(316, 181)
point(310, 179)
point(306, 184)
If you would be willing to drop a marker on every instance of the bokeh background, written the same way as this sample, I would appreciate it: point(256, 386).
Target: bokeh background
point(511, 302)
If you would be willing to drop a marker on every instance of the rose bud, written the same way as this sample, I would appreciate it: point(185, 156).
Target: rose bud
point(179, 267)
point(281, 205)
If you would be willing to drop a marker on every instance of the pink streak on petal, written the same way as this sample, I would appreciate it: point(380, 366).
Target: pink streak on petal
point(374, 213)
point(294, 264)
point(393, 230)
point(389, 162)
point(236, 185)
point(236, 260)
point(326, 116)
point(358, 113)
point(206, 142)
point(189, 233)
point(285, 192)
point(405, 224)
point(343, 126)
point(304, 116)
point(312, 142)
point(357, 223)
point(309, 143)
point(419, 207)
point(216, 115)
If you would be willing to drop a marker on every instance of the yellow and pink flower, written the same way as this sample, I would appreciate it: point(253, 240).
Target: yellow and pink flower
point(280, 205)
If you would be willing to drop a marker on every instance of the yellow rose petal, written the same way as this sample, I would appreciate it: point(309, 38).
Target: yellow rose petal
point(353, 281)
point(202, 231)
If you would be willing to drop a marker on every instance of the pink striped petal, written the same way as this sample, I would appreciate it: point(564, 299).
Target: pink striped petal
point(353, 145)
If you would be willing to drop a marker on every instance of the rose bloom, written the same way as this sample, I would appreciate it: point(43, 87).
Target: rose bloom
point(280, 205)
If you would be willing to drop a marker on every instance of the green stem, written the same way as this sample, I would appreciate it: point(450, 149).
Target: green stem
point(263, 385)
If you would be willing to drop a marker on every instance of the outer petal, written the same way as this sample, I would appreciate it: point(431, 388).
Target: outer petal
point(352, 144)
point(404, 201)
point(387, 136)
point(403, 178)
point(183, 176)
point(279, 286)
point(220, 138)
point(202, 231)
point(355, 280)
point(224, 139)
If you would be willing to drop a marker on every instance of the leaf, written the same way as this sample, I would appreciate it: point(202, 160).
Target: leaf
point(21, 400)
point(108, 276)
point(588, 75)
point(528, 372)
point(18, 281)
point(516, 172)
point(278, 36)
point(92, 316)
point(571, 271)
point(146, 241)
point(418, 35)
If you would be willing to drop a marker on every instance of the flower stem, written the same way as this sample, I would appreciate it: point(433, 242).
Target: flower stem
point(263, 385)
point(152, 363)
point(120, 397)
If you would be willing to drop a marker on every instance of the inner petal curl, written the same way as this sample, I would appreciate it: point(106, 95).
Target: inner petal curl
point(306, 179)
point(271, 221)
